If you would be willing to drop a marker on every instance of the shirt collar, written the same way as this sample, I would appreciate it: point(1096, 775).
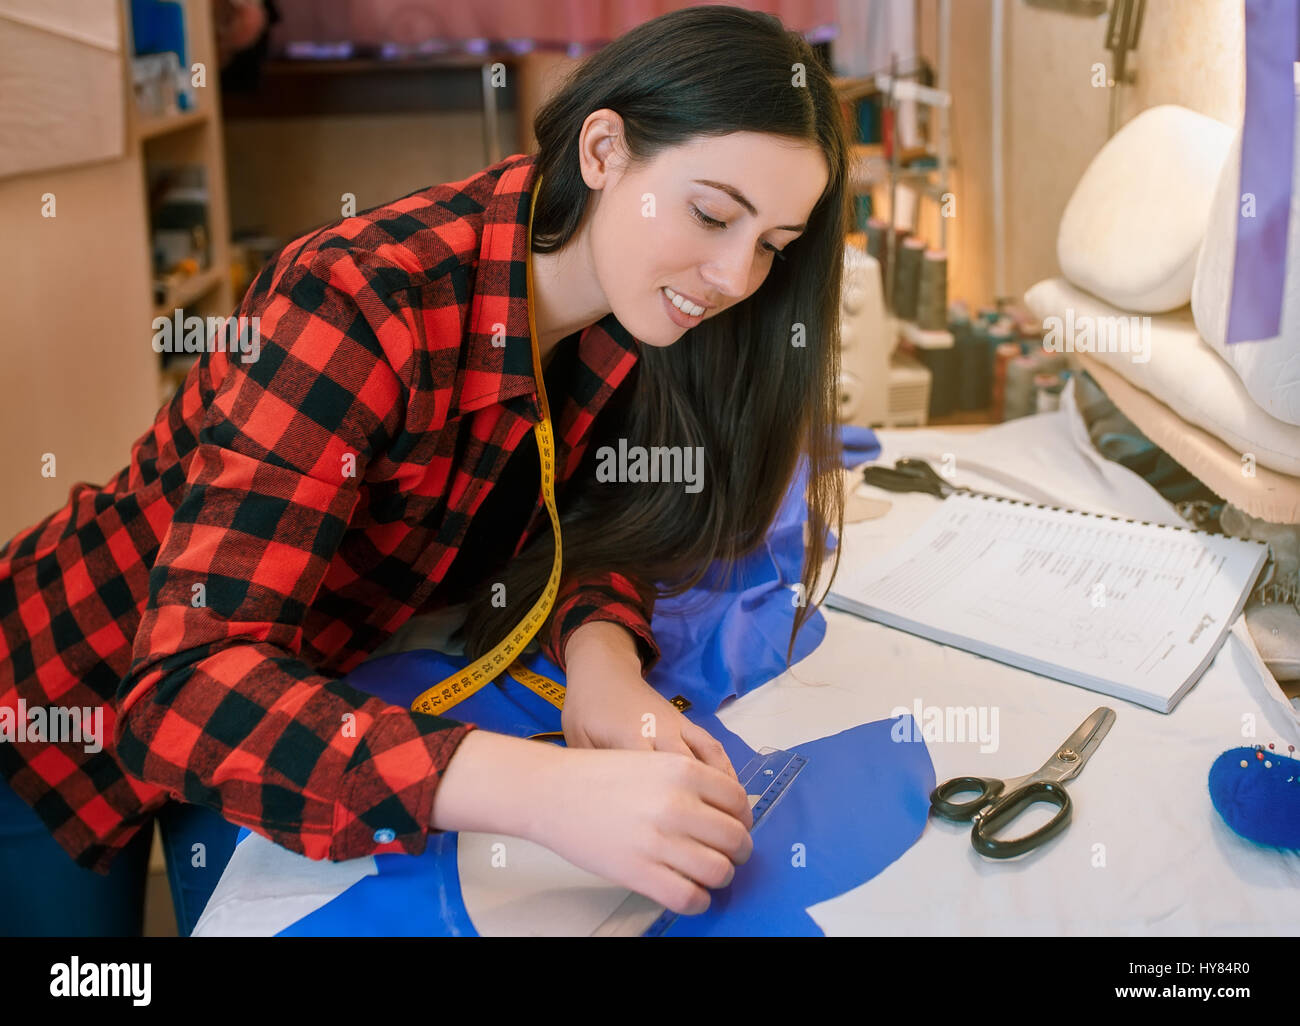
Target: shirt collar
point(499, 307)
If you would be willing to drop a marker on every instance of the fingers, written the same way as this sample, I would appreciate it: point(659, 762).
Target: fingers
point(719, 790)
point(707, 748)
point(702, 748)
point(576, 737)
point(673, 890)
point(673, 743)
point(682, 873)
point(717, 830)
point(704, 866)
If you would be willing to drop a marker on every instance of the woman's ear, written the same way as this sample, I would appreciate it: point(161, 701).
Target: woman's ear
point(599, 150)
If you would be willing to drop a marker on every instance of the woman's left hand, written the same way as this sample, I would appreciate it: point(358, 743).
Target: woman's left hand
point(608, 704)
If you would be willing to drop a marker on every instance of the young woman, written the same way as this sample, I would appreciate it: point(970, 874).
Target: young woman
point(285, 515)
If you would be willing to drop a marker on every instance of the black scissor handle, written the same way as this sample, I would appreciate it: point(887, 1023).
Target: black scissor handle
point(907, 475)
point(1010, 806)
point(987, 787)
point(922, 470)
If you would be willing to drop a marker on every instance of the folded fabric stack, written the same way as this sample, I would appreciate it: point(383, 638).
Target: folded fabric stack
point(1146, 247)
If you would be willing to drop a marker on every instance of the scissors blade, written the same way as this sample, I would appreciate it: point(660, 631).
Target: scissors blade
point(1077, 749)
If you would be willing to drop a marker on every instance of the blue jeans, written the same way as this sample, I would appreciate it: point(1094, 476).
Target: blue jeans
point(43, 893)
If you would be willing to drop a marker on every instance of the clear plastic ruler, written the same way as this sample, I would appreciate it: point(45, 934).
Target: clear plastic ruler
point(766, 778)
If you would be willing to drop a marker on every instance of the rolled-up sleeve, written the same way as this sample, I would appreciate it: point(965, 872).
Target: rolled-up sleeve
point(218, 707)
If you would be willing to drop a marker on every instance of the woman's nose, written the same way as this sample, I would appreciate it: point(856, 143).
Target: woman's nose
point(729, 273)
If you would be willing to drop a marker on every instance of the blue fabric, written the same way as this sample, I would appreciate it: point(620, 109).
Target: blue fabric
point(859, 444)
point(732, 641)
point(412, 896)
point(722, 639)
point(727, 636)
point(859, 803)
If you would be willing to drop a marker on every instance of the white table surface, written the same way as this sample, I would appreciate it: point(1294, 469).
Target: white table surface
point(1145, 854)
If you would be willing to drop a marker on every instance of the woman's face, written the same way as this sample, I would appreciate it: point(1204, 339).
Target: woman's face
point(700, 220)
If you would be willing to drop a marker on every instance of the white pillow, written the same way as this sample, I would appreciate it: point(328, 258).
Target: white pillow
point(1133, 227)
point(1269, 368)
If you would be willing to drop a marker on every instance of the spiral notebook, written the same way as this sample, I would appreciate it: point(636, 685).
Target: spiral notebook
point(1128, 608)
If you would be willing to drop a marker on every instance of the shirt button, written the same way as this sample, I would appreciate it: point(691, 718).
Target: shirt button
point(384, 836)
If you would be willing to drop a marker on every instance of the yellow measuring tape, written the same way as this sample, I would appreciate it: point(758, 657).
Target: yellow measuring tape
point(504, 658)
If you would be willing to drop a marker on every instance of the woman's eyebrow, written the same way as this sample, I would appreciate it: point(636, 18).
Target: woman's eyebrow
point(739, 197)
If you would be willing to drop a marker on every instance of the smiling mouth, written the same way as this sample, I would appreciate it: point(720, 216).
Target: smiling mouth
point(686, 306)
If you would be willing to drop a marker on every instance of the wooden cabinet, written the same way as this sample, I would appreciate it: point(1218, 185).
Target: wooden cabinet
point(191, 138)
point(79, 378)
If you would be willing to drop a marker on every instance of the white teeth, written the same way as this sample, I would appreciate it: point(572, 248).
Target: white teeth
point(685, 305)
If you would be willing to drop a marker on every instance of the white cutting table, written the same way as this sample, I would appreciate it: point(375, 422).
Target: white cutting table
point(1145, 854)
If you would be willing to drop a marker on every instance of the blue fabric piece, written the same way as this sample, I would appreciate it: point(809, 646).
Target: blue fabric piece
point(727, 636)
point(1259, 802)
point(859, 804)
point(411, 896)
point(722, 639)
point(860, 444)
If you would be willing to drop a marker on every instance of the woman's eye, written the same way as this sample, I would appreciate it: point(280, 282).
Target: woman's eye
point(705, 219)
point(712, 222)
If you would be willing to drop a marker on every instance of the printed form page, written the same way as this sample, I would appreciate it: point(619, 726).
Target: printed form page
point(1131, 609)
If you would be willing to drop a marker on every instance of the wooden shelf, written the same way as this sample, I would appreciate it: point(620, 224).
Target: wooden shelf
point(150, 128)
point(366, 65)
point(316, 88)
point(186, 138)
point(189, 138)
point(868, 167)
point(855, 87)
point(190, 289)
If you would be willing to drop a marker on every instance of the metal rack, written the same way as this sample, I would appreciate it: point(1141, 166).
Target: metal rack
point(930, 182)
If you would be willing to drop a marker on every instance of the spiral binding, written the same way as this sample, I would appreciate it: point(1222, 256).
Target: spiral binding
point(1267, 590)
point(1099, 516)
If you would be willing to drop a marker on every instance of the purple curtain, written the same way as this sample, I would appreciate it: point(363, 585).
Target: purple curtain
point(1267, 148)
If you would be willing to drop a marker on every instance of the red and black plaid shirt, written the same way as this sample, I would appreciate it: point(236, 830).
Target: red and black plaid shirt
point(282, 518)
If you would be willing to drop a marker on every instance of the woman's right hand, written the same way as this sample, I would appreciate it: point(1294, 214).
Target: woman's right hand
point(663, 824)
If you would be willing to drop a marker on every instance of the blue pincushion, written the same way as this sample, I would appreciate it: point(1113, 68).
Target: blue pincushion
point(1260, 800)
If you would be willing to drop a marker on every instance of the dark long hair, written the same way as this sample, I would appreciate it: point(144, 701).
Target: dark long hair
point(757, 384)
